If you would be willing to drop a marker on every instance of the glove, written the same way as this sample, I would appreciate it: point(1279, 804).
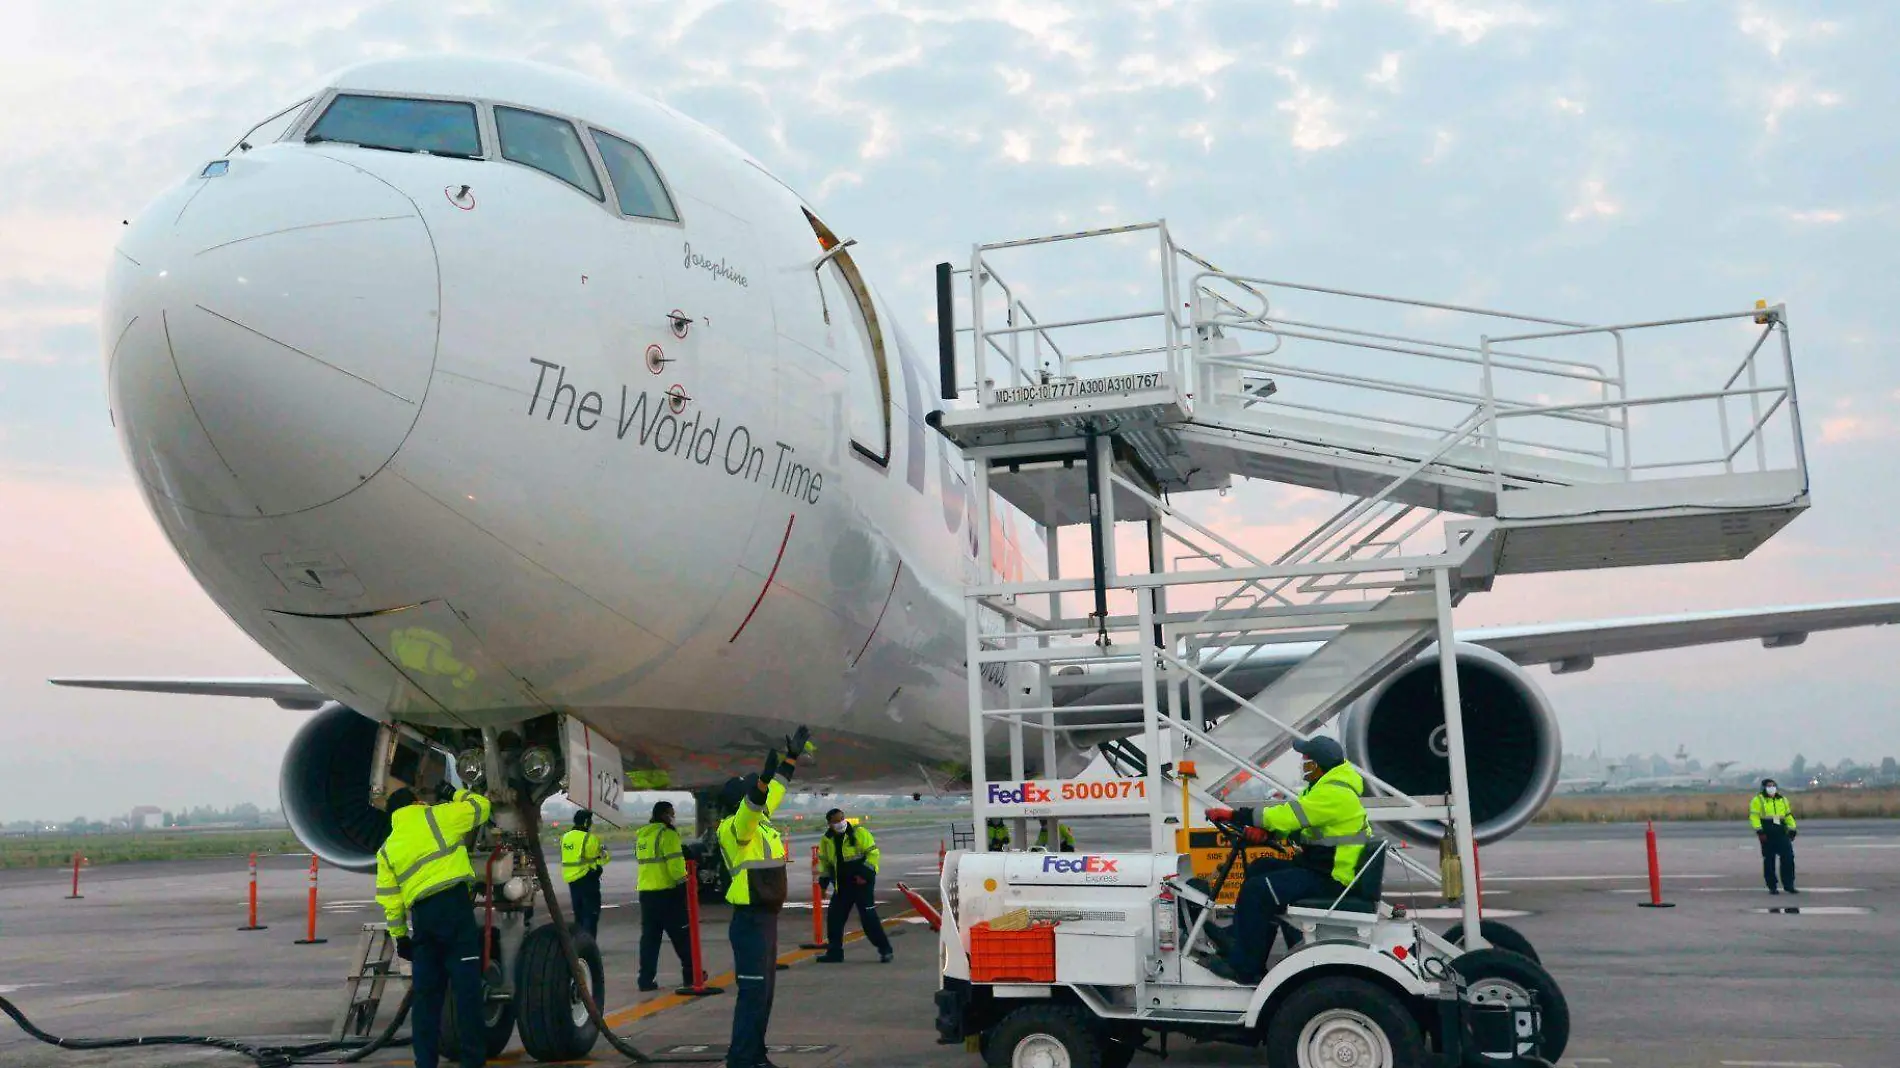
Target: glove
point(1761, 836)
point(799, 743)
point(405, 948)
point(1255, 835)
point(824, 883)
point(859, 880)
point(1220, 815)
point(769, 768)
point(1792, 835)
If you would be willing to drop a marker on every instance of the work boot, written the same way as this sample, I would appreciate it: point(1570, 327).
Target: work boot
point(884, 957)
point(648, 985)
point(1774, 891)
point(1792, 890)
point(830, 958)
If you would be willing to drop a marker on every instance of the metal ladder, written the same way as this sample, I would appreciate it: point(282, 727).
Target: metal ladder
point(376, 967)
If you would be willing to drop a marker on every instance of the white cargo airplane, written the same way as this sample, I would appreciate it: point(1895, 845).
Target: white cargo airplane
point(482, 395)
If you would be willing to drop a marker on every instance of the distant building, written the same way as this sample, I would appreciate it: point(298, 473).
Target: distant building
point(144, 818)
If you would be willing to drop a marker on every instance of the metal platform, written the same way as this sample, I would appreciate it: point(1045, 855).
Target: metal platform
point(1199, 392)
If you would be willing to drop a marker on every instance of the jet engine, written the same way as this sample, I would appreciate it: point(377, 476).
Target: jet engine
point(325, 788)
point(1512, 746)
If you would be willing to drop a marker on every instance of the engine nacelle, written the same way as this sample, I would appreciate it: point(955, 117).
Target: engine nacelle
point(325, 787)
point(1512, 745)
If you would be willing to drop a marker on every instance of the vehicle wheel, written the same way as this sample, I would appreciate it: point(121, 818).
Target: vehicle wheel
point(1344, 1023)
point(1044, 1036)
point(1501, 936)
point(498, 1019)
point(552, 1019)
point(1499, 976)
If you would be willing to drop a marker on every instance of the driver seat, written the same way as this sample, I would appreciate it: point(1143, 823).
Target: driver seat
point(1354, 912)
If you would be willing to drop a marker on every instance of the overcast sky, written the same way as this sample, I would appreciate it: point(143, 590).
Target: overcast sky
point(1608, 161)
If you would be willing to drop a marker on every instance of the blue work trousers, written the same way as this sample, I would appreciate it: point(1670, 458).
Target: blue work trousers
point(1271, 886)
point(1776, 846)
point(446, 947)
point(584, 892)
point(854, 890)
point(754, 934)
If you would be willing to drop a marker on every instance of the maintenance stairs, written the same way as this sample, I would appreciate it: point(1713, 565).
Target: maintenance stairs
point(1456, 445)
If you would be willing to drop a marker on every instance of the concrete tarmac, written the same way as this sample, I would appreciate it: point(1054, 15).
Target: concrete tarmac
point(1716, 981)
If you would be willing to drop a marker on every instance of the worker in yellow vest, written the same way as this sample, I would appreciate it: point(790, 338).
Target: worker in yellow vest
point(422, 880)
point(1773, 820)
point(582, 861)
point(1329, 823)
point(998, 832)
point(663, 891)
point(1064, 836)
point(756, 861)
point(848, 860)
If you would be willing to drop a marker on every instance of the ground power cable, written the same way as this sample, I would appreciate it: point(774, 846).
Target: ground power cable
point(262, 1056)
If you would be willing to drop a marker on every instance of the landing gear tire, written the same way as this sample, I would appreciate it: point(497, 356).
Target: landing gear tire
point(1340, 1021)
point(1044, 1036)
point(498, 1019)
point(1499, 935)
point(1499, 976)
point(553, 1021)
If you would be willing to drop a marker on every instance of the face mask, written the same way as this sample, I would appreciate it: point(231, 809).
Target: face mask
point(840, 826)
point(1771, 790)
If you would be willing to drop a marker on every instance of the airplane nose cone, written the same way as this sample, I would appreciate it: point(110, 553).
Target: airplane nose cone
point(270, 333)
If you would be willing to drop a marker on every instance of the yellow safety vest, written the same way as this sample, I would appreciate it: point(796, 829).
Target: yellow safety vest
point(656, 847)
point(581, 854)
point(1063, 835)
point(855, 844)
point(424, 854)
point(755, 852)
point(1762, 808)
point(1329, 821)
point(999, 836)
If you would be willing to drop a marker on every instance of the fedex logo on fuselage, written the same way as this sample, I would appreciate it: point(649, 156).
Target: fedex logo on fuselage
point(1025, 794)
point(1079, 865)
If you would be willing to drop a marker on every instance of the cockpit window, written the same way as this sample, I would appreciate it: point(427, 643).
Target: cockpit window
point(270, 129)
point(547, 144)
point(443, 127)
point(636, 183)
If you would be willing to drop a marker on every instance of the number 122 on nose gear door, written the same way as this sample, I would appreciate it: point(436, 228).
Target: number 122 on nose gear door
point(1066, 797)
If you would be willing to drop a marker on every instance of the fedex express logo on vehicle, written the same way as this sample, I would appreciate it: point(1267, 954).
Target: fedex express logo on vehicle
point(1079, 865)
point(1018, 794)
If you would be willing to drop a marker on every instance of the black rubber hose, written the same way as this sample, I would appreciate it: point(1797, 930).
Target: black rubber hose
point(262, 1056)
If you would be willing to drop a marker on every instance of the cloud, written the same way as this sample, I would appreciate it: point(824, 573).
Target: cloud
point(1776, 30)
point(1821, 216)
point(1593, 202)
point(1387, 73)
point(1778, 100)
point(1469, 20)
point(1315, 120)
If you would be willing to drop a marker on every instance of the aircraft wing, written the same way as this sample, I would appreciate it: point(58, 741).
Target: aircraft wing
point(1576, 644)
point(288, 691)
point(1567, 647)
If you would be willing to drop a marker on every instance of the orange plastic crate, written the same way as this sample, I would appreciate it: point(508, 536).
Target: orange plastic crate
point(1027, 956)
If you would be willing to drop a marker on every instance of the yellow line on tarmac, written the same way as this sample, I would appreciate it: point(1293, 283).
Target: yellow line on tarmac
point(671, 1001)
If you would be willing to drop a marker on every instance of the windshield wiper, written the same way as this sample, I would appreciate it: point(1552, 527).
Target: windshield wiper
point(451, 154)
point(311, 139)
